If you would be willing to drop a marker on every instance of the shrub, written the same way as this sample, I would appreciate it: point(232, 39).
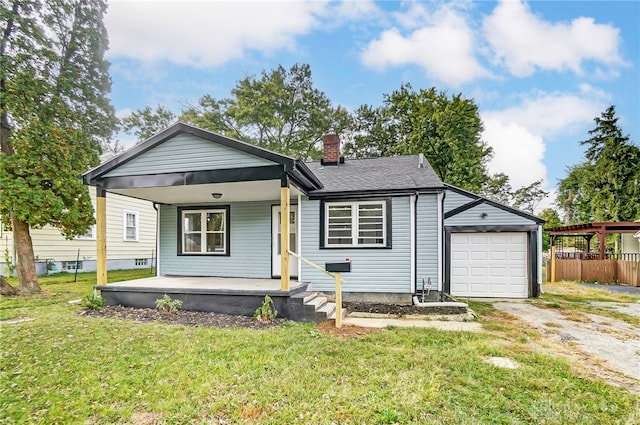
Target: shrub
point(167, 304)
point(92, 302)
point(266, 312)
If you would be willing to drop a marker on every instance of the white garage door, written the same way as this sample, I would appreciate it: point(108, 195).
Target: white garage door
point(489, 265)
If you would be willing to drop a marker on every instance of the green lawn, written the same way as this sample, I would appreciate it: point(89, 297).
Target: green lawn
point(62, 367)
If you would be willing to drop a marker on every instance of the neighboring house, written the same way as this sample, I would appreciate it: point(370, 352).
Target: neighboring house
point(131, 237)
point(392, 218)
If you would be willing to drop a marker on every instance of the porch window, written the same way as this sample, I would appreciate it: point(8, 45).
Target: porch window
point(204, 231)
point(129, 225)
point(356, 224)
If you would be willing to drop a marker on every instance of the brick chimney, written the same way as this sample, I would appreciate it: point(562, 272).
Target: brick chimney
point(331, 144)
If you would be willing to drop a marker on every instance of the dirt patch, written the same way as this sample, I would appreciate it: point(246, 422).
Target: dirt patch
point(346, 331)
point(182, 317)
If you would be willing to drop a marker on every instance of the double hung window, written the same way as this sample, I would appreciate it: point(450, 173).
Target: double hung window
point(356, 224)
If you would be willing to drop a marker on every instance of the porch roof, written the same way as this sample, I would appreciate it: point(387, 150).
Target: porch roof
point(103, 175)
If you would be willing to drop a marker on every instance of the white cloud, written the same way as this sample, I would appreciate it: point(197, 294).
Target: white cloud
point(517, 152)
point(551, 114)
point(524, 42)
point(205, 33)
point(442, 44)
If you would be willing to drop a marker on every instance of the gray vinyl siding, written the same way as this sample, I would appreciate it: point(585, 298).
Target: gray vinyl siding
point(427, 241)
point(187, 153)
point(372, 270)
point(494, 217)
point(250, 244)
point(454, 200)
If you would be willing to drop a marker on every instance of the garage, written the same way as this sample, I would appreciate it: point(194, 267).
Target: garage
point(489, 264)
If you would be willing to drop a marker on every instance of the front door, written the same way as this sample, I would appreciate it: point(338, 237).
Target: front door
point(276, 241)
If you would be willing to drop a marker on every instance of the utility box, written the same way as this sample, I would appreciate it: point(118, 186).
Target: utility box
point(343, 267)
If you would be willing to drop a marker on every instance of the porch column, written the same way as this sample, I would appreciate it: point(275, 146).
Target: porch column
point(101, 236)
point(284, 233)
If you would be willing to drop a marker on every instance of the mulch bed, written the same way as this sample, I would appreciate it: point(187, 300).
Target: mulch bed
point(220, 320)
point(182, 317)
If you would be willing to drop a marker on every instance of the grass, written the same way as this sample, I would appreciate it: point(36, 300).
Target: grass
point(573, 300)
point(63, 367)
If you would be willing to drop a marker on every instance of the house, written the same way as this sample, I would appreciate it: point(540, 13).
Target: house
point(224, 206)
point(131, 237)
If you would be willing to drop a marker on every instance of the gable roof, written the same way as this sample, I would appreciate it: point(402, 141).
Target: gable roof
point(375, 176)
point(477, 200)
point(296, 168)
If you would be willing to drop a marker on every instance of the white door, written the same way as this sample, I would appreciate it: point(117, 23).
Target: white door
point(276, 241)
point(489, 265)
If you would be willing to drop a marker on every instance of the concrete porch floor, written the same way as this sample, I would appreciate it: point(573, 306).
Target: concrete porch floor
point(202, 283)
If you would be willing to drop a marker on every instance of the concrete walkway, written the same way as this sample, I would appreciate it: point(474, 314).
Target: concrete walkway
point(366, 322)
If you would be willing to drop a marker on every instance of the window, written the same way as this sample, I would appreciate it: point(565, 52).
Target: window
point(130, 226)
point(91, 233)
point(71, 265)
point(204, 231)
point(141, 261)
point(356, 224)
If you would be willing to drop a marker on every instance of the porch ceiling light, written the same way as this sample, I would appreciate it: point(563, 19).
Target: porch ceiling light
point(216, 195)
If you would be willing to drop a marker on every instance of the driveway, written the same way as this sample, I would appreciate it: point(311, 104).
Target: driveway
point(614, 341)
point(619, 289)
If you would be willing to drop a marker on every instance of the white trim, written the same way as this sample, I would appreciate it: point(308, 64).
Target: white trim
point(124, 225)
point(204, 232)
point(355, 229)
point(276, 260)
point(440, 243)
point(158, 240)
point(412, 230)
point(299, 237)
point(539, 254)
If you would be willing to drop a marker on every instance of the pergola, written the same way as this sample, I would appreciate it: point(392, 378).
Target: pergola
point(588, 231)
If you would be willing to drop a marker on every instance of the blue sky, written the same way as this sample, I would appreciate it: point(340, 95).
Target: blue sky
point(540, 71)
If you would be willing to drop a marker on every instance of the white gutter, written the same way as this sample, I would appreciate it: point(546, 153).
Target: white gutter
point(299, 237)
point(440, 242)
point(412, 242)
point(539, 253)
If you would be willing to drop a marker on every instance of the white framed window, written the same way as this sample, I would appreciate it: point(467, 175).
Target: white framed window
point(356, 224)
point(130, 225)
point(71, 266)
point(141, 261)
point(204, 231)
point(90, 235)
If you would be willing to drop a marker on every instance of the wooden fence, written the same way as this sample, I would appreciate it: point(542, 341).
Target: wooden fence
point(625, 272)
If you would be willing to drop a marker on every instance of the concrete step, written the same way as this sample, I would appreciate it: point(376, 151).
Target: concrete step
point(317, 301)
point(333, 314)
point(328, 309)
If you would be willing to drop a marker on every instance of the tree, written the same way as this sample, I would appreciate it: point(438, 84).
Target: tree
point(606, 187)
point(446, 129)
point(55, 117)
point(552, 220)
point(280, 111)
point(527, 198)
point(146, 122)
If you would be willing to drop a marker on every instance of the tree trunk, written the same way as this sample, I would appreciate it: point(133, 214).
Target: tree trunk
point(6, 289)
point(26, 266)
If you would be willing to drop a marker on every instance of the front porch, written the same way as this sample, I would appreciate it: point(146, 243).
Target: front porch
point(239, 296)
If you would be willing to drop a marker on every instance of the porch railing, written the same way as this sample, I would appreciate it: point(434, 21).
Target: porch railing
point(339, 281)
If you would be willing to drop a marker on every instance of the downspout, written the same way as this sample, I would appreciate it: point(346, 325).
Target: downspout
point(539, 254)
point(299, 236)
point(413, 219)
point(155, 207)
point(441, 264)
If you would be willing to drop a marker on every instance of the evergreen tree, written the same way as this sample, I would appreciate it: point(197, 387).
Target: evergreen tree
point(55, 117)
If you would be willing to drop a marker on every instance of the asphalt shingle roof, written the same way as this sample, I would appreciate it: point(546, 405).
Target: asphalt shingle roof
point(375, 174)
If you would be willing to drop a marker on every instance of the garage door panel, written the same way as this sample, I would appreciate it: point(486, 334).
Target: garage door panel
point(489, 264)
